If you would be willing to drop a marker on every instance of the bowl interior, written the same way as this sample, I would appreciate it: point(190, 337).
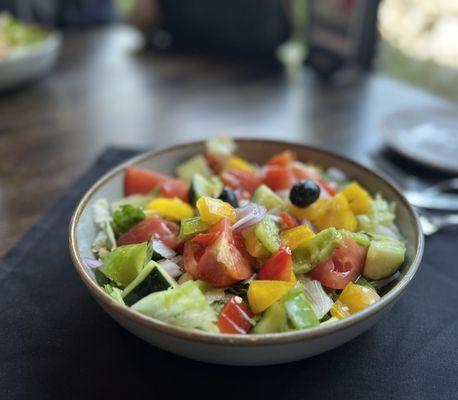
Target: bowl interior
point(111, 187)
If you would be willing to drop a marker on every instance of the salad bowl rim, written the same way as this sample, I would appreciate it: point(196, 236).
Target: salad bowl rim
point(235, 339)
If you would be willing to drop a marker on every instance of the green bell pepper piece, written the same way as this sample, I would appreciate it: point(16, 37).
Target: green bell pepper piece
point(267, 232)
point(359, 237)
point(316, 250)
point(190, 227)
point(298, 308)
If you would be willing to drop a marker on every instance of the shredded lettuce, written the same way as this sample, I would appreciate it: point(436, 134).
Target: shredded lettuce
point(184, 306)
point(126, 217)
point(135, 200)
point(114, 292)
point(105, 239)
point(380, 219)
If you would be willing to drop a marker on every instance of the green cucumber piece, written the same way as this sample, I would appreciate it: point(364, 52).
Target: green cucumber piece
point(201, 186)
point(196, 165)
point(359, 237)
point(267, 232)
point(298, 308)
point(274, 319)
point(363, 282)
point(267, 198)
point(124, 263)
point(383, 258)
point(185, 306)
point(153, 278)
point(192, 226)
point(316, 250)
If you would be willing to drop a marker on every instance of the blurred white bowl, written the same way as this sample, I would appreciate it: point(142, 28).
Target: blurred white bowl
point(29, 63)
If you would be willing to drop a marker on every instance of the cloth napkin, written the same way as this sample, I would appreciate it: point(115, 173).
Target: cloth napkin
point(57, 343)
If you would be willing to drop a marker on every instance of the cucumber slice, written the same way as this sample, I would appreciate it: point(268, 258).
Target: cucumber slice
point(273, 320)
point(153, 278)
point(316, 250)
point(201, 186)
point(383, 258)
point(267, 232)
point(267, 198)
point(190, 227)
point(124, 263)
point(185, 306)
point(196, 165)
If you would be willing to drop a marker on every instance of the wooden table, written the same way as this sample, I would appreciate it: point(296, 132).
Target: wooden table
point(105, 91)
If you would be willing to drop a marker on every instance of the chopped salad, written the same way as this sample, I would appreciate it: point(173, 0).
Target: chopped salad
point(15, 34)
point(233, 247)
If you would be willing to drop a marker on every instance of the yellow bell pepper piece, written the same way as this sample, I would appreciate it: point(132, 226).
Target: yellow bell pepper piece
point(358, 198)
point(358, 297)
point(213, 210)
point(293, 278)
point(254, 246)
point(337, 214)
point(295, 236)
point(174, 209)
point(263, 293)
point(235, 162)
point(312, 212)
point(339, 310)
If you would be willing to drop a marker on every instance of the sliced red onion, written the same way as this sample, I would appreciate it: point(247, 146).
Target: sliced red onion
point(92, 263)
point(162, 249)
point(243, 203)
point(171, 268)
point(383, 282)
point(249, 215)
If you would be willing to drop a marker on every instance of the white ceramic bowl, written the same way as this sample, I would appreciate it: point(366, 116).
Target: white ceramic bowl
point(243, 349)
point(29, 63)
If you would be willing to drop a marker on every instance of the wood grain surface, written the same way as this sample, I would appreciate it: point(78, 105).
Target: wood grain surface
point(106, 91)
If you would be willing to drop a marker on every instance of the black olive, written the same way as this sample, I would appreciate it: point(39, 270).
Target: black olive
point(229, 196)
point(304, 193)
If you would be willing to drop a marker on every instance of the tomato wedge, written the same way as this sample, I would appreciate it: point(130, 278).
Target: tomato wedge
point(278, 267)
point(288, 220)
point(302, 171)
point(152, 227)
point(330, 187)
point(240, 179)
point(139, 180)
point(220, 262)
point(283, 158)
point(345, 265)
point(279, 177)
point(235, 317)
point(172, 187)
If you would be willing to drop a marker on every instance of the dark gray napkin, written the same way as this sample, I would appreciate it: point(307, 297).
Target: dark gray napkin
point(57, 343)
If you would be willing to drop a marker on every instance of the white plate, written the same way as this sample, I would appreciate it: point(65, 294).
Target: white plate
point(29, 63)
point(426, 135)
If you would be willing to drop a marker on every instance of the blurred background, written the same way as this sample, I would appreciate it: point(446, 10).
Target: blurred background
point(77, 76)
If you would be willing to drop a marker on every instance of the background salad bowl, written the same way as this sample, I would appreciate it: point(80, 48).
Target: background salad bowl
point(263, 349)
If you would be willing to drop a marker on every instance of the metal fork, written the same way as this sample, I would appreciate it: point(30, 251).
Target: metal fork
point(430, 224)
